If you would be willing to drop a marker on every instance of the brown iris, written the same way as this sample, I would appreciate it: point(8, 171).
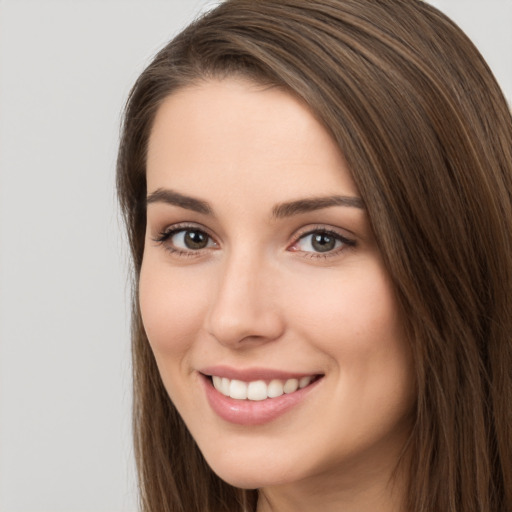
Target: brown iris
point(323, 242)
point(195, 239)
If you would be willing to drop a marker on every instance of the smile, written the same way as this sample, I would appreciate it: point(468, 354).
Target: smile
point(255, 397)
point(259, 389)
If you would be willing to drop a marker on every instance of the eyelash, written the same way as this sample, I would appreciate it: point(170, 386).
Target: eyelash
point(168, 233)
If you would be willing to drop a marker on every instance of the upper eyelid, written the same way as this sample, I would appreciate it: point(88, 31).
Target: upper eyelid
point(325, 228)
point(297, 233)
point(184, 226)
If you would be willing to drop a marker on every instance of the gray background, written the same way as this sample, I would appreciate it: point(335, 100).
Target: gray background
point(65, 70)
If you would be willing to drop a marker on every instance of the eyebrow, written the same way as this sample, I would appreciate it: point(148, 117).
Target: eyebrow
point(315, 203)
point(162, 195)
point(279, 211)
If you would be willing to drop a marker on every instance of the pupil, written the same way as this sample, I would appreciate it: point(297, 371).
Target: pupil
point(196, 240)
point(323, 242)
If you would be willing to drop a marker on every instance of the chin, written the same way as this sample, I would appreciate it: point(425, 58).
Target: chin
point(252, 474)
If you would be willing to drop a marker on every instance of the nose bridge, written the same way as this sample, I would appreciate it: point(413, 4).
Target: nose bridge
point(243, 307)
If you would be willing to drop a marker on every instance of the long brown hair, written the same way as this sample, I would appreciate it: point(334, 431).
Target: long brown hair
point(427, 135)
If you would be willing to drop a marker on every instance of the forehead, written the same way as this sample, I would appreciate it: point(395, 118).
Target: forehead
point(222, 136)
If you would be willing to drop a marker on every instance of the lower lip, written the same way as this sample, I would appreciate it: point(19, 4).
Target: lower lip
point(253, 412)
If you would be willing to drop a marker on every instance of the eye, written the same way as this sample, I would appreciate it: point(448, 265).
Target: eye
point(321, 241)
point(185, 240)
point(193, 239)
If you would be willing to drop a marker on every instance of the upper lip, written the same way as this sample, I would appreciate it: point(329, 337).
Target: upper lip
point(252, 374)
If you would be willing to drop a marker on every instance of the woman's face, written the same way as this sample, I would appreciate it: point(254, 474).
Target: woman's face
point(261, 277)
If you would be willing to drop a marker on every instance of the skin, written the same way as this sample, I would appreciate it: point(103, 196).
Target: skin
point(261, 295)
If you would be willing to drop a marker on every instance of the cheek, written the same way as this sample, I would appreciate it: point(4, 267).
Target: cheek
point(354, 320)
point(352, 313)
point(171, 307)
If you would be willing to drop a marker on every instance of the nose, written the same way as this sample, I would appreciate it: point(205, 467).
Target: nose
point(243, 311)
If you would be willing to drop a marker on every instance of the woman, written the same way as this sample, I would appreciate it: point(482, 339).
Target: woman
point(318, 200)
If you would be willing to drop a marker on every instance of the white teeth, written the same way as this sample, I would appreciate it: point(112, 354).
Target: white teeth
point(258, 389)
point(224, 386)
point(238, 389)
point(305, 381)
point(217, 381)
point(291, 385)
point(275, 389)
